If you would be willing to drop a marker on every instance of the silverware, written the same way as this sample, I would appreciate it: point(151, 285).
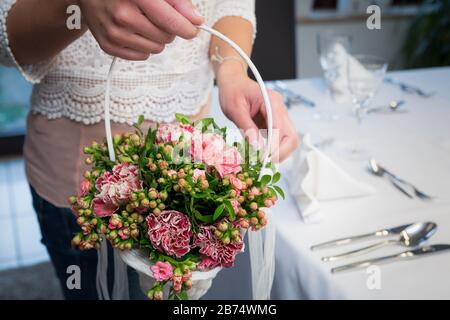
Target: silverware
point(409, 88)
point(412, 236)
point(376, 234)
point(290, 96)
point(397, 182)
point(393, 107)
point(406, 255)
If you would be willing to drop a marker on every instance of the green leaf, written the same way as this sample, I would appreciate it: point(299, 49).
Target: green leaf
point(280, 191)
point(265, 180)
point(218, 212)
point(276, 177)
point(203, 218)
point(140, 120)
point(230, 209)
point(181, 118)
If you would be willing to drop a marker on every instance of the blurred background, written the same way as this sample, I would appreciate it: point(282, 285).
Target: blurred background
point(413, 34)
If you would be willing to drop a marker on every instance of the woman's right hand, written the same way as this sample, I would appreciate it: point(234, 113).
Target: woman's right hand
point(134, 29)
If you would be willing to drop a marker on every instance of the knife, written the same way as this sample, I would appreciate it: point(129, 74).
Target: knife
point(377, 234)
point(292, 96)
point(406, 255)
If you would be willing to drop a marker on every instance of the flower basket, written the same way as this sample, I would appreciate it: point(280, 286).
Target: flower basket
point(138, 260)
point(175, 202)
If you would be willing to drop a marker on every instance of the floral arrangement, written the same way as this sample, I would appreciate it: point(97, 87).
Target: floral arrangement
point(180, 192)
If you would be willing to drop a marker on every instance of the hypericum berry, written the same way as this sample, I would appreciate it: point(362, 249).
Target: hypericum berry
point(223, 226)
point(157, 212)
point(145, 203)
point(244, 224)
point(268, 203)
point(254, 221)
point(261, 214)
point(88, 161)
point(218, 234)
point(152, 204)
point(152, 193)
point(226, 240)
point(254, 206)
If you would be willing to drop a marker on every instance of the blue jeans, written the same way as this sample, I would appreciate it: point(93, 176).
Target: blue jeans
point(58, 226)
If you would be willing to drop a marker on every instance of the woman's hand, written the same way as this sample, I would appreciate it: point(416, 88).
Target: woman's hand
point(242, 103)
point(134, 29)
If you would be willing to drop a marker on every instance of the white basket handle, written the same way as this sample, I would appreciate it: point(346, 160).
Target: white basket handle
point(261, 248)
point(265, 95)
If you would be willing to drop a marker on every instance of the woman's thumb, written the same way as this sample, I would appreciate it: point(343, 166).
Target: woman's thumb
point(188, 10)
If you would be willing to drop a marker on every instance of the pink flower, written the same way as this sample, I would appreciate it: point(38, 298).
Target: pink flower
point(162, 271)
point(238, 184)
point(235, 205)
point(254, 191)
point(230, 162)
point(211, 149)
point(206, 263)
point(173, 132)
point(213, 247)
point(170, 232)
point(208, 148)
point(115, 188)
point(197, 174)
point(85, 185)
point(103, 209)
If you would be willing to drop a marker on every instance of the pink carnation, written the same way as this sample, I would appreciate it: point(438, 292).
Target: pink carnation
point(213, 247)
point(170, 232)
point(238, 184)
point(115, 188)
point(212, 150)
point(85, 185)
point(172, 133)
point(162, 271)
point(229, 163)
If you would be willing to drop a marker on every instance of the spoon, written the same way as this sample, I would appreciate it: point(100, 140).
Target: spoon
point(378, 170)
point(412, 236)
point(394, 106)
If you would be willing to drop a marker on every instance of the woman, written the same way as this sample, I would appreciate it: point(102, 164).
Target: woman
point(165, 68)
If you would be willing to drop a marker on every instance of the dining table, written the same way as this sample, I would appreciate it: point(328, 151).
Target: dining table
point(414, 144)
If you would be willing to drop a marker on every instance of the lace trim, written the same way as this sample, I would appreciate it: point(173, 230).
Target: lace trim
point(84, 101)
point(32, 73)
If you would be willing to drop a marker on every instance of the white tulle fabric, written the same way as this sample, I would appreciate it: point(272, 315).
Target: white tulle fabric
point(178, 80)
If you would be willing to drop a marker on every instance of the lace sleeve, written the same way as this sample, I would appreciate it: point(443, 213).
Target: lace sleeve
point(33, 73)
point(236, 8)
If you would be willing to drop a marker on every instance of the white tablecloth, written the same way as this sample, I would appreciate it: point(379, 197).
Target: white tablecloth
point(416, 146)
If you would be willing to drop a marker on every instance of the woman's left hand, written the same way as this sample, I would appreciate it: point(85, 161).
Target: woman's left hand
point(242, 102)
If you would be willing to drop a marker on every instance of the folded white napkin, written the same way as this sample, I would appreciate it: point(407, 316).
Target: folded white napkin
point(313, 178)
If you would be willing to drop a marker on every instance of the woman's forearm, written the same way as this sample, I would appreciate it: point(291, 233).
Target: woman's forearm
point(240, 31)
point(37, 29)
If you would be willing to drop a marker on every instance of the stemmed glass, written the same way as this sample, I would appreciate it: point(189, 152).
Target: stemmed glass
point(333, 49)
point(365, 73)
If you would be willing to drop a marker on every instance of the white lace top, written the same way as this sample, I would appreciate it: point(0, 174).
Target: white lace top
point(72, 84)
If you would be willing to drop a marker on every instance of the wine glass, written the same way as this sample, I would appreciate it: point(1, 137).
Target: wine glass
point(365, 73)
point(333, 49)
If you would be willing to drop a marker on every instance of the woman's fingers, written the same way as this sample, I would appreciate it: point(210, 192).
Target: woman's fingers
point(140, 25)
point(187, 9)
point(166, 17)
point(122, 38)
